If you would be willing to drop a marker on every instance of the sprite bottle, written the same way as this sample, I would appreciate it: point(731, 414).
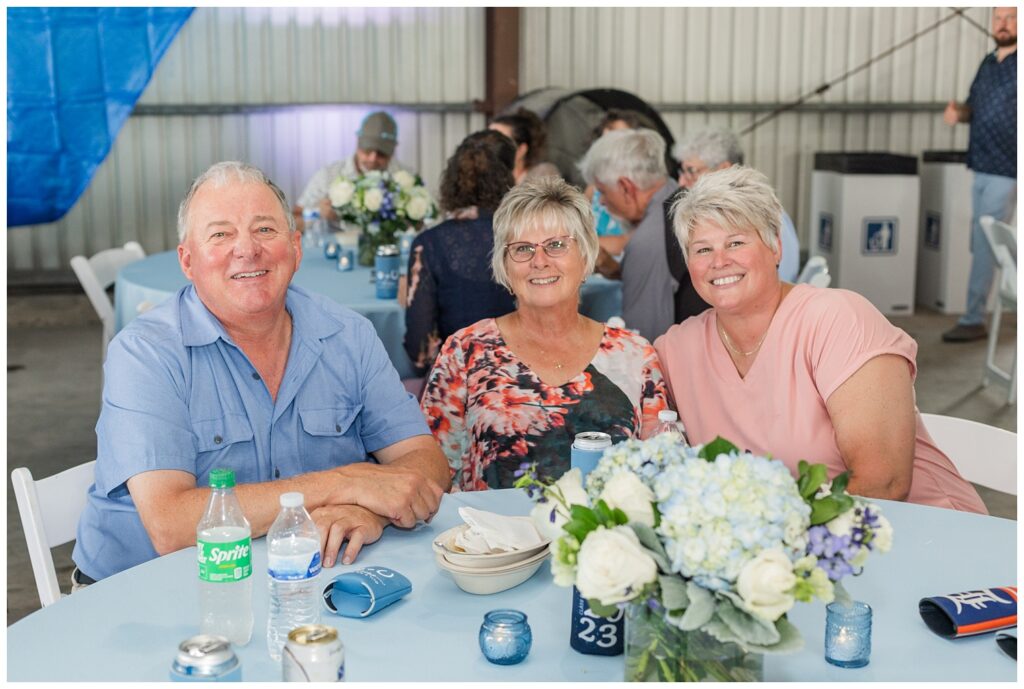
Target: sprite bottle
point(224, 545)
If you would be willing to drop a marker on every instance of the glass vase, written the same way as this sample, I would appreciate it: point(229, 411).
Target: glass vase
point(657, 651)
point(367, 248)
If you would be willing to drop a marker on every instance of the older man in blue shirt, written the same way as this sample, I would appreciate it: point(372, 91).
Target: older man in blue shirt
point(242, 370)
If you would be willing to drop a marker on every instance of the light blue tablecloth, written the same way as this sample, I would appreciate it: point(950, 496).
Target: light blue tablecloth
point(127, 627)
point(153, 279)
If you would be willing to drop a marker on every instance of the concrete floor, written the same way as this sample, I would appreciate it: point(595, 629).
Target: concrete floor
point(54, 381)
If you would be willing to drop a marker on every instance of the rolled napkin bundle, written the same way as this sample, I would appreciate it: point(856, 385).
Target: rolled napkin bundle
point(495, 533)
point(365, 591)
point(971, 612)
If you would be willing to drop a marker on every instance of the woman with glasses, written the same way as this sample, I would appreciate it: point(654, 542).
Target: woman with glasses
point(520, 387)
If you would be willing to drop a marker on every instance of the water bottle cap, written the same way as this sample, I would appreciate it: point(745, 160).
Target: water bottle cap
point(310, 214)
point(667, 415)
point(222, 478)
point(292, 500)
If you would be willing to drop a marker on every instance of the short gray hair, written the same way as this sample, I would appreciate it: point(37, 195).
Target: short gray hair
point(220, 174)
point(737, 198)
point(636, 154)
point(548, 202)
point(714, 146)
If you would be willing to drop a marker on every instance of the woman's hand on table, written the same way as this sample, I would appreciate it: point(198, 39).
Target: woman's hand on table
point(339, 523)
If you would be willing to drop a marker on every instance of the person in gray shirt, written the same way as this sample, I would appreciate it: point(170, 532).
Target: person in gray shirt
point(628, 168)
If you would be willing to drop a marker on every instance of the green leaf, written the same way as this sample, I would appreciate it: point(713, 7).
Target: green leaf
point(603, 514)
point(578, 529)
point(829, 507)
point(700, 610)
point(718, 446)
point(789, 641)
point(650, 541)
point(583, 514)
point(840, 482)
point(673, 592)
point(619, 517)
point(750, 628)
point(600, 609)
point(657, 515)
point(811, 478)
point(721, 631)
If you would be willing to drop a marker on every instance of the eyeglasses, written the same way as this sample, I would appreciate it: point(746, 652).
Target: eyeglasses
point(521, 252)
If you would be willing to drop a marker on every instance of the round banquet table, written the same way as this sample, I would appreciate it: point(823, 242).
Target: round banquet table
point(127, 627)
point(146, 283)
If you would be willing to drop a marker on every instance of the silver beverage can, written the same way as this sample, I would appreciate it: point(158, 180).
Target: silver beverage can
point(206, 658)
point(587, 449)
point(313, 653)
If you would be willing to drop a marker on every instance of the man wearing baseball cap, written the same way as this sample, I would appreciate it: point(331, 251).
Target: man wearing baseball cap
point(376, 141)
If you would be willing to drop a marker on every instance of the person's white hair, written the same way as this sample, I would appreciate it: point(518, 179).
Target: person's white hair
point(222, 173)
point(735, 198)
point(636, 154)
point(548, 202)
point(714, 146)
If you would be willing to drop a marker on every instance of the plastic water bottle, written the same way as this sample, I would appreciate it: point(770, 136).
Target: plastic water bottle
point(224, 545)
point(293, 556)
point(668, 422)
point(313, 230)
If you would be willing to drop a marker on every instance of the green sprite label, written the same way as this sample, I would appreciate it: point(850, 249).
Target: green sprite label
point(225, 562)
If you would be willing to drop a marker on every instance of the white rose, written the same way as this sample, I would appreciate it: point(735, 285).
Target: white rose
point(626, 491)
point(882, 541)
point(341, 192)
point(765, 584)
point(612, 566)
point(541, 516)
point(404, 179)
point(570, 488)
point(372, 199)
point(417, 207)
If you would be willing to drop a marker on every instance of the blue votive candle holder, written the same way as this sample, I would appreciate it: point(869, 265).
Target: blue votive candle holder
point(505, 637)
point(848, 634)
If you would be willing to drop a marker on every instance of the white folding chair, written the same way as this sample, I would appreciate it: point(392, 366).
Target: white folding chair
point(815, 272)
point(983, 454)
point(1002, 239)
point(49, 511)
point(97, 274)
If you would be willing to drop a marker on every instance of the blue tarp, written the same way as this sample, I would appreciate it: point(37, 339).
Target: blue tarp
point(73, 77)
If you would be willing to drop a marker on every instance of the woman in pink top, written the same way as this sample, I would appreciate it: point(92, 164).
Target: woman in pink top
point(794, 371)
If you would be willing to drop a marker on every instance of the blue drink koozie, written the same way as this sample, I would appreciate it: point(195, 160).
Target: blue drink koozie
point(385, 270)
point(601, 636)
point(971, 612)
point(365, 591)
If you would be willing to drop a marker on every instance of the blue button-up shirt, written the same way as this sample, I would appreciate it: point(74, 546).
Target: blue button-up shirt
point(993, 100)
point(179, 394)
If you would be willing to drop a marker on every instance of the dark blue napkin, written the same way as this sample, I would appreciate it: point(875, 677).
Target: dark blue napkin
point(971, 612)
point(365, 591)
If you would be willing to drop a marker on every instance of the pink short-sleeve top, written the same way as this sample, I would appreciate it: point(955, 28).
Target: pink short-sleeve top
point(816, 341)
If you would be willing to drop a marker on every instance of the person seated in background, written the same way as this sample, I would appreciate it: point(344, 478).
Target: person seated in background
point(520, 387)
point(450, 284)
point(529, 134)
point(628, 168)
point(243, 371)
point(794, 372)
point(375, 150)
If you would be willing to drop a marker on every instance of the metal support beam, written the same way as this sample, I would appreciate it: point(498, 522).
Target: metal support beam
point(501, 49)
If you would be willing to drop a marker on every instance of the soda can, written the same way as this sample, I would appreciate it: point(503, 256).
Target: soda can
point(206, 658)
point(313, 653)
point(587, 449)
point(386, 271)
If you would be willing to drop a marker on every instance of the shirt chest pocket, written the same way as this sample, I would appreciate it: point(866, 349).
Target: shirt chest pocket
point(225, 442)
point(330, 437)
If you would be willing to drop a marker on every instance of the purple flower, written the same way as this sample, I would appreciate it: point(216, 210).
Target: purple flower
point(836, 567)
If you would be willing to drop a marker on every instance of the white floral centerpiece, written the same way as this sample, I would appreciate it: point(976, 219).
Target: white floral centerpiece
point(707, 547)
point(381, 205)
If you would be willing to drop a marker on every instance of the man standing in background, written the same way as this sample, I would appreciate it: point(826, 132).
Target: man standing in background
point(991, 108)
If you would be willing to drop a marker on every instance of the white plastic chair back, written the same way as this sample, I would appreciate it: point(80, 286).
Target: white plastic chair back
point(98, 273)
point(1002, 239)
point(815, 272)
point(49, 511)
point(821, 279)
point(983, 454)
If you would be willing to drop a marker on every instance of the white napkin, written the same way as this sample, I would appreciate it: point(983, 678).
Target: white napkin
point(495, 533)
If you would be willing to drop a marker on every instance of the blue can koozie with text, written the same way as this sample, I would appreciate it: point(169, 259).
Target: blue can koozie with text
point(593, 635)
point(385, 270)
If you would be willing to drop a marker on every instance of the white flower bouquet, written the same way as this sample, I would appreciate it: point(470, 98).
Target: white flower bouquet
point(381, 205)
point(707, 547)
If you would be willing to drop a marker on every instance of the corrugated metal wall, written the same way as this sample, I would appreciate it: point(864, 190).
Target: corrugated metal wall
point(673, 56)
point(429, 60)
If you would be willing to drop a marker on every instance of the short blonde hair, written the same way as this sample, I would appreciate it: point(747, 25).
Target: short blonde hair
point(225, 172)
point(737, 198)
point(548, 202)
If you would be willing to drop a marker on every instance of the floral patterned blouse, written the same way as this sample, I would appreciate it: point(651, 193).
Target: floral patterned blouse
point(489, 412)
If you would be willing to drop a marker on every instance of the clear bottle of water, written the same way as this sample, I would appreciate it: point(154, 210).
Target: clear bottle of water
point(668, 422)
point(293, 556)
point(224, 545)
point(312, 230)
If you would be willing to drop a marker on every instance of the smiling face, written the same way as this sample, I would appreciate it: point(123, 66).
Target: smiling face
point(239, 252)
point(545, 281)
point(731, 269)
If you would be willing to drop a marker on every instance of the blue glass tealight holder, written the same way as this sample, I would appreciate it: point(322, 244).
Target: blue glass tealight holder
point(505, 637)
point(848, 634)
point(331, 251)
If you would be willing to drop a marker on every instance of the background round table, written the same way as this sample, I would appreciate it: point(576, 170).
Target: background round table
point(146, 283)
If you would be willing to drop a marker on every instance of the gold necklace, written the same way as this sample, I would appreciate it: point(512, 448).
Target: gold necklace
point(732, 348)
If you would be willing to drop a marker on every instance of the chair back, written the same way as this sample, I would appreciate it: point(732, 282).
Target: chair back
point(98, 273)
point(815, 272)
point(1002, 239)
point(49, 510)
point(983, 454)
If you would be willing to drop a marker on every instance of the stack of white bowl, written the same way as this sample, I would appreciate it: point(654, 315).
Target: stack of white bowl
point(487, 572)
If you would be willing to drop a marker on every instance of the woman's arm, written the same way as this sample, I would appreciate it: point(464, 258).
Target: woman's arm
point(875, 423)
